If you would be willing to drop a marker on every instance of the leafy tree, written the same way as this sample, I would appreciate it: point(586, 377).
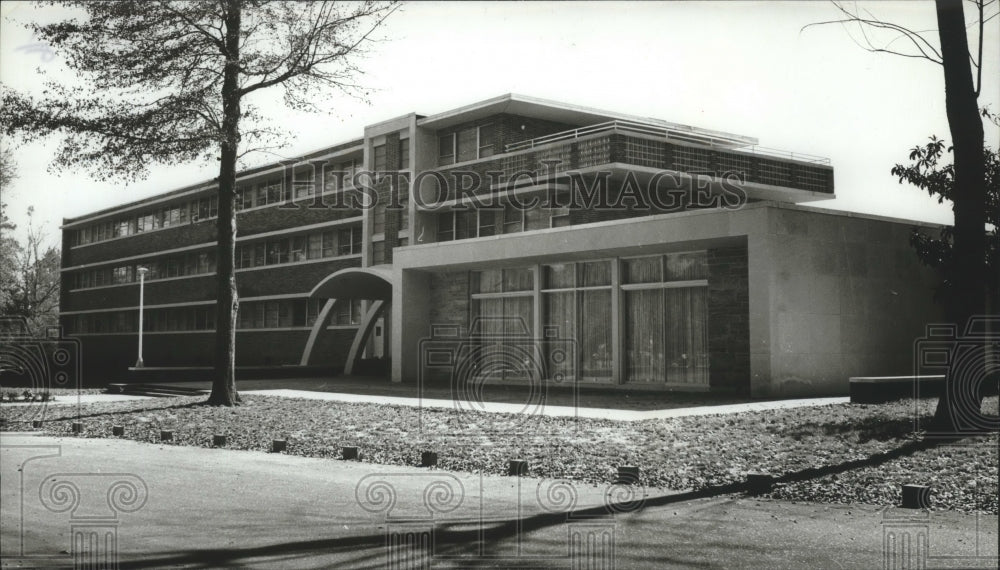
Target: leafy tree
point(927, 172)
point(33, 291)
point(967, 259)
point(174, 81)
point(8, 245)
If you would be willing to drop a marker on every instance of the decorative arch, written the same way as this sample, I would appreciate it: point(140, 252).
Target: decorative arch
point(369, 283)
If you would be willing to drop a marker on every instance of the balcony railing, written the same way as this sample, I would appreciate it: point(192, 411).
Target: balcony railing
point(661, 133)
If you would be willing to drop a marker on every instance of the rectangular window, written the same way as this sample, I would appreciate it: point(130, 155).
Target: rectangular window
point(468, 144)
point(315, 246)
point(487, 223)
point(298, 248)
point(277, 252)
point(313, 307)
point(446, 149)
point(274, 193)
point(304, 184)
point(446, 226)
point(466, 224)
point(349, 241)
point(380, 163)
point(259, 254)
point(404, 154)
point(330, 243)
point(284, 314)
point(487, 137)
point(350, 168)
point(204, 209)
point(513, 220)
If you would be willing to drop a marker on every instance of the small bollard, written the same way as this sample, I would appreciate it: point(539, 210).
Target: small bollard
point(916, 497)
point(166, 435)
point(218, 440)
point(36, 423)
point(428, 459)
point(759, 483)
point(517, 467)
point(627, 475)
point(278, 446)
point(349, 453)
point(77, 427)
point(117, 430)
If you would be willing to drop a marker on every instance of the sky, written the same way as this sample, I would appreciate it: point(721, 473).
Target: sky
point(751, 68)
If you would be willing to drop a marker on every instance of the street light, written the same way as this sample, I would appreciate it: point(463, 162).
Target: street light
point(142, 287)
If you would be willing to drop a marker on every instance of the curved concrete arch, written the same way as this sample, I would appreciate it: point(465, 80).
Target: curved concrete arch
point(369, 283)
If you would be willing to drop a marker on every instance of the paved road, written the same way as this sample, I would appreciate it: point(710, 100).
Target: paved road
point(200, 508)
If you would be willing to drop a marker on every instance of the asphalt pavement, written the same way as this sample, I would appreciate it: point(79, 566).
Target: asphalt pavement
point(172, 506)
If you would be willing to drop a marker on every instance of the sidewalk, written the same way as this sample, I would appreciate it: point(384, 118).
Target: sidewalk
point(198, 508)
point(553, 411)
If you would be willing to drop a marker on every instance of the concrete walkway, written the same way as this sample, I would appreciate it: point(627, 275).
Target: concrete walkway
point(188, 507)
point(68, 400)
point(554, 411)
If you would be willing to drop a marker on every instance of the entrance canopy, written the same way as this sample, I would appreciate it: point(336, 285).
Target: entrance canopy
point(371, 283)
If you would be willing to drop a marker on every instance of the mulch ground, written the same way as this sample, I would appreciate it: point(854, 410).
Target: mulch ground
point(846, 453)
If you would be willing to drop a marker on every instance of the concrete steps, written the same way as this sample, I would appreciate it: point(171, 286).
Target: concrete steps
point(157, 390)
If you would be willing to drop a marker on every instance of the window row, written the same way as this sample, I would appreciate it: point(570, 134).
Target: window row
point(466, 144)
point(285, 313)
point(380, 157)
point(169, 216)
point(271, 252)
point(664, 333)
point(161, 268)
point(336, 176)
point(333, 243)
point(649, 269)
point(483, 222)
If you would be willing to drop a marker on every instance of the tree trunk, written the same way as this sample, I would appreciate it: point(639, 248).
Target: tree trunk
point(969, 250)
point(227, 301)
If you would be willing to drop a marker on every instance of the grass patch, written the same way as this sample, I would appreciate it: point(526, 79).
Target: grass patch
point(680, 453)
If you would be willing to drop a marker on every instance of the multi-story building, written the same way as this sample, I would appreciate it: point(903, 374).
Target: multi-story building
point(516, 240)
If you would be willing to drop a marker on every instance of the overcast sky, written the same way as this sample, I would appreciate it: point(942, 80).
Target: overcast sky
point(741, 67)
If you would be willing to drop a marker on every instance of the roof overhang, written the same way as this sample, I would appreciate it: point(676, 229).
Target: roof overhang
point(372, 283)
point(575, 115)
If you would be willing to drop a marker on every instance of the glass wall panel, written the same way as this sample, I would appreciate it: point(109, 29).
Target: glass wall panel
point(644, 360)
point(594, 338)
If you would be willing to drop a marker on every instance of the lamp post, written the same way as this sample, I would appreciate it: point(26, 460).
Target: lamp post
point(142, 289)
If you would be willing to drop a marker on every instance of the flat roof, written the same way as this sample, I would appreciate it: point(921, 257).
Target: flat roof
point(207, 184)
point(537, 108)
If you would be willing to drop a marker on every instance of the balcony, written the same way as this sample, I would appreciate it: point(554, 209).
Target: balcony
point(650, 147)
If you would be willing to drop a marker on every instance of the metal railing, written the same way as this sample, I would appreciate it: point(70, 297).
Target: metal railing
point(664, 134)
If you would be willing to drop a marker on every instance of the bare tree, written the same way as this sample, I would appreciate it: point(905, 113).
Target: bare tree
point(171, 81)
point(969, 197)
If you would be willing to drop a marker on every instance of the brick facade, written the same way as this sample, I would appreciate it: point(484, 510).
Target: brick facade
point(729, 319)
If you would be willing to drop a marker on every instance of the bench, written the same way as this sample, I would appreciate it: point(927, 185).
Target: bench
point(880, 389)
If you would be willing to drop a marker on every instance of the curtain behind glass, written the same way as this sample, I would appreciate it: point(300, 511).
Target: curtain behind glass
point(644, 335)
point(686, 336)
point(558, 311)
point(594, 342)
